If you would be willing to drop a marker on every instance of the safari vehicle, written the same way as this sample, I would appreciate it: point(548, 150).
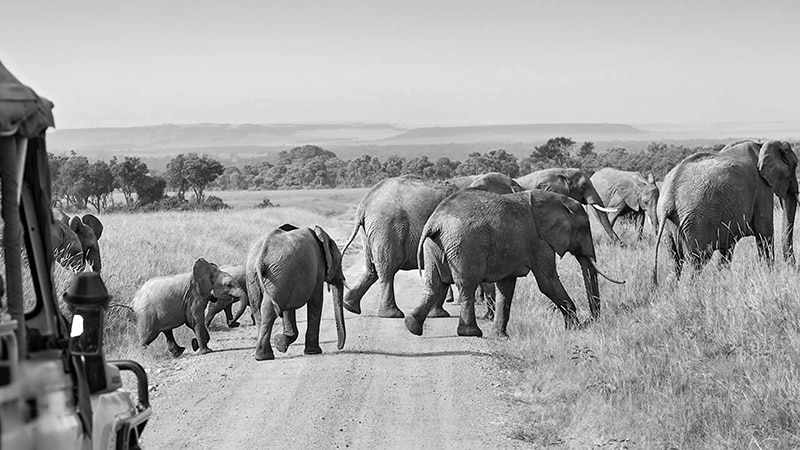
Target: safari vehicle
point(57, 391)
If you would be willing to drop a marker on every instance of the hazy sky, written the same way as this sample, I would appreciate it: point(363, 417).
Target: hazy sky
point(408, 62)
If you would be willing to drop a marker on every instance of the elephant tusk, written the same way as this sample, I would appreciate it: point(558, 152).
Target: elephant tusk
point(591, 260)
point(604, 209)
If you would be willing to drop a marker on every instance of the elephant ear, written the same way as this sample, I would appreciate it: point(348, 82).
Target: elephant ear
point(776, 164)
point(204, 273)
point(91, 221)
point(75, 224)
point(630, 194)
point(552, 217)
point(333, 257)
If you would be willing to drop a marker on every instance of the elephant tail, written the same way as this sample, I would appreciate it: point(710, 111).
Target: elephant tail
point(427, 232)
point(661, 227)
point(359, 224)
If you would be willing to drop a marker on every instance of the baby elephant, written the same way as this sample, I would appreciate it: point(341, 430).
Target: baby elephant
point(214, 308)
point(164, 303)
point(286, 270)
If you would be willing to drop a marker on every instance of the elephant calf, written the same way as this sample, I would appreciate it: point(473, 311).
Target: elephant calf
point(286, 270)
point(75, 241)
point(226, 304)
point(165, 303)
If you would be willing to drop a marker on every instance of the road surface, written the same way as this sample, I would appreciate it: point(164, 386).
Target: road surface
point(385, 389)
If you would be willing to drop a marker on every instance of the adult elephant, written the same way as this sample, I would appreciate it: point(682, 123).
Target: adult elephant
point(477, 236)
point(286, 270)
point(630, 194)
point(392, 215)
point(575, 184)
point(711, 200)
point(75, 241)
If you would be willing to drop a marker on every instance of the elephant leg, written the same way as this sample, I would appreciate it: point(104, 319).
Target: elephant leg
point(467, 325)
point(233, 321)
point(284, 340)
point(450, 298)
point(314, 310)
point(174, 349)
point(489, 293)
point(550, 285)
point(505, 288)
point(639, 223)
point(201, 334)
point(388, 308)
point(266, 318)
point(435, 292)
point(352, 300)
point(438, 309)
point(677, 255)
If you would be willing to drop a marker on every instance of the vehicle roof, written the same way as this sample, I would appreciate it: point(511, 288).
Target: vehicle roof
point(22, 111)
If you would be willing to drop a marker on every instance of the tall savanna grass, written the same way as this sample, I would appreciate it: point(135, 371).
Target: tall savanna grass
point(707, 361)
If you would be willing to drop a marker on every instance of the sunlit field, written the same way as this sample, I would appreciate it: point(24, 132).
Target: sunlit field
point(710, 361)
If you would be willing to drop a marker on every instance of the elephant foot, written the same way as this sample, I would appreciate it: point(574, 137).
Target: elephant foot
point(312, 350)
point(391, 312)
point(498, 334)
point(233, 324)
point(264, 356)
point(414, 326)
point(469, 330)
point(438, 311)
point(353, 307)
point(282, 342)
point(177, 351)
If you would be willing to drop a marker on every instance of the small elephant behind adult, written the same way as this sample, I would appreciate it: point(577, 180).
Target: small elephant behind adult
point(75, 241)
point(629, 194)
point(285, 270)
point(711, 200)
point(165, 303)
point(226, 304)
point(573, 183)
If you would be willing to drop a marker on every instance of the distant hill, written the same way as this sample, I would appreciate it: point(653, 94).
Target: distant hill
point(240, 143)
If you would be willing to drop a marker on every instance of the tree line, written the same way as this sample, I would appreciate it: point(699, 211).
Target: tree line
point(80, 183)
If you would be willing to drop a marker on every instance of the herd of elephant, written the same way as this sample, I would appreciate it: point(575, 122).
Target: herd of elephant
point(479, 233)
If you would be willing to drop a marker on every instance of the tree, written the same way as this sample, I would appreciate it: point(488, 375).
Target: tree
point(127, 175)
point(393, 166)
point(150, 189)
point(199, 171)
point(100, 184)
point(175, 178)
point(587, 149)
point(501, 161)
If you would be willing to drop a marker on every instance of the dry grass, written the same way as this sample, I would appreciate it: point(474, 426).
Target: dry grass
point(710, 361)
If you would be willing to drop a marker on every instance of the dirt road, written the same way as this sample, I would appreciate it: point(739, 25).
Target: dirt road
point(386, 389)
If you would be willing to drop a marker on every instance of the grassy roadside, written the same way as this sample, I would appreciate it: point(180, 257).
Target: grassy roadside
point(710, 361)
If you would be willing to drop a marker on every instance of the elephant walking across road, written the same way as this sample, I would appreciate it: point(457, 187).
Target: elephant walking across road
point(476, 236)
point(574, 184)
point(226, 304)
point(629, 194)
point(165, 303)
point(711, 200)
point(285, 270)
point(392, 215)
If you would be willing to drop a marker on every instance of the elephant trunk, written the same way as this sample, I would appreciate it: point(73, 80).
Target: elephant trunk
point(789, 208)
point(338, 312)
point(653, 216)
point(589, 271)
point(93, 258)
point(593, 198)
